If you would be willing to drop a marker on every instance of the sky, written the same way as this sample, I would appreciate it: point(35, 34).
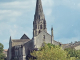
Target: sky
point(16, 19)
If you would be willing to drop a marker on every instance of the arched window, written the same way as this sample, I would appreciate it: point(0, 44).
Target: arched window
point(43, 37)
point(39, 16)
point(35, 26)
point(39, 31)
point(40, 26)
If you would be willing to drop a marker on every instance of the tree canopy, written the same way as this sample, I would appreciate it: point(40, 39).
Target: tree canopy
point(2, 56)
point(51, 52)
point(73, 53)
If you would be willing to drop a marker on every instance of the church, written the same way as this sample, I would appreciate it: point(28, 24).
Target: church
point(20, 48)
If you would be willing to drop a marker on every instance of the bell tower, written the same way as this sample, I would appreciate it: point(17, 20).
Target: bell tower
point(39, 23)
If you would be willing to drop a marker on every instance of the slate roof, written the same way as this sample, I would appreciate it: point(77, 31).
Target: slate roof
point(25, 37)
point(22, 40)
point(19, 41)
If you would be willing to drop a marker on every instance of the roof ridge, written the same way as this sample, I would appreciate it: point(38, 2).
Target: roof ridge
point(24, 37)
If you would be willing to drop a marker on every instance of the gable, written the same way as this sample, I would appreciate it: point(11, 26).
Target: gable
point(24, 37)
point(44, 33)
point(42, 37)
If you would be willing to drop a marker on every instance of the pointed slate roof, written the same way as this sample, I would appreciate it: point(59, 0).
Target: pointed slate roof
point(39, 10)
point(24, 37)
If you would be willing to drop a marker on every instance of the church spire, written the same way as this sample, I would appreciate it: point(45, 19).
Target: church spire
point(39, 22)
point(39, 9)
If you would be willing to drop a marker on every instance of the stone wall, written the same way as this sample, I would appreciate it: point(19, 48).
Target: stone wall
point(77, 47)
point(42, 37)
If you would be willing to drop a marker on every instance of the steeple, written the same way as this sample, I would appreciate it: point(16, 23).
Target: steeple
point(39, 9)
point(39, 22)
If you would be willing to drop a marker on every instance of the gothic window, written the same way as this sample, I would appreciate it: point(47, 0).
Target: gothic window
point(15, 52)
point(43, 37)
point(39, 16)
point(19, 52)
point(39, 31)
point(35, 26)
point(40, 26)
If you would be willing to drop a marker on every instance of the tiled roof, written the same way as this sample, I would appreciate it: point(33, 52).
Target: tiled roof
point(5, 49)
point(5, 52)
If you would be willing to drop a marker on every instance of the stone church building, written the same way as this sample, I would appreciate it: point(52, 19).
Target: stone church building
point(20, 48)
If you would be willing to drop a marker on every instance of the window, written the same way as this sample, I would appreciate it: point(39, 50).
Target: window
point(35, 26)
point(43, 37)
point(39, 31)
point(40, 26)
point(15, 53)
point(39, 16)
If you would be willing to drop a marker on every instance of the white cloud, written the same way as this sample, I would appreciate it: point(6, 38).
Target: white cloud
point(17, 8)
point(10, 13)
point(18, 4)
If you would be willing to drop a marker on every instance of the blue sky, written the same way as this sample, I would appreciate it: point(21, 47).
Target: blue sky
point(16, 18)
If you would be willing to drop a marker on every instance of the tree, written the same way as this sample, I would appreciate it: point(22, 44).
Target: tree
point(2, 56)
point(51, 52)
point(73, 53)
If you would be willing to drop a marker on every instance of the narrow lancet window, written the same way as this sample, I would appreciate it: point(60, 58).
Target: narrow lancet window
point(40, 26)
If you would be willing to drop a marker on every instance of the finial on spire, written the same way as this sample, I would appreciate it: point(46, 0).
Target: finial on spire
point(52, 38)
point(52, 28)
point(10, 37)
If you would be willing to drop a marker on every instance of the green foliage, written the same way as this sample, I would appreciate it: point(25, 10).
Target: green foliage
point(51, 52)
point(2, 56)
point(1, 48)
point(73, 52)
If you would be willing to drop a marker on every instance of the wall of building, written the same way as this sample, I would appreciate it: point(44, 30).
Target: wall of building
point(28, 46)
point(77, 47)
point(42, 37)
